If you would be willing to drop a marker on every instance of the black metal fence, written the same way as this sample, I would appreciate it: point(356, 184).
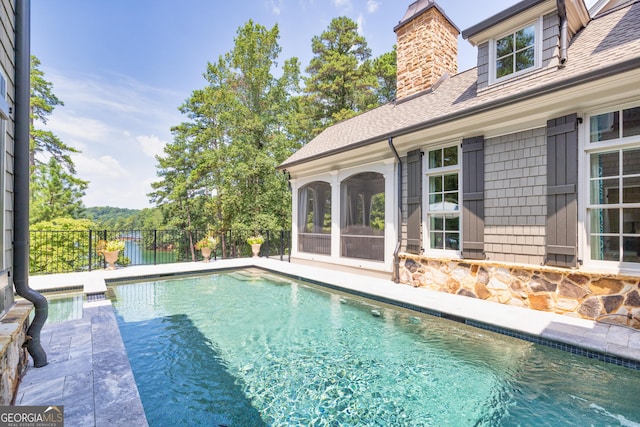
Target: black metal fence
point(76, 251)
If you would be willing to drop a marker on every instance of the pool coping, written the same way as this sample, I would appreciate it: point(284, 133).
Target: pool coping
point(610, 343)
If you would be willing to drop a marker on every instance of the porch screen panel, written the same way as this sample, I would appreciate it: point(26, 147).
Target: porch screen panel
point(473, 198)
point(314, 220)
point(562, 196)
point(362, 216)
point(414, 201)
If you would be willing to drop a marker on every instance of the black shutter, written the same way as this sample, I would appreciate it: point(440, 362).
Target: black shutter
point(414, 201)
point(473, 198)
point(562, 192)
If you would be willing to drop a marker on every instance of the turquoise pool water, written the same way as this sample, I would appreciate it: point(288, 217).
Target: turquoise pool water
point(63, 307)
point(230, 349)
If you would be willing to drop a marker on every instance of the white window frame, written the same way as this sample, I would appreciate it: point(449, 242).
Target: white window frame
point(426, 213)
point(587, 148)
point(538, 23)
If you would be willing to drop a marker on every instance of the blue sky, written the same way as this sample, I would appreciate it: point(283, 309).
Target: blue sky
point(122, 68)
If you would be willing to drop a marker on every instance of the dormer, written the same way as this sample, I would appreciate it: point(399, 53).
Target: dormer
point(530, 36)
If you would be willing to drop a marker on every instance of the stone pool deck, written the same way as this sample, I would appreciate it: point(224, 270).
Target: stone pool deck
point(89, 372)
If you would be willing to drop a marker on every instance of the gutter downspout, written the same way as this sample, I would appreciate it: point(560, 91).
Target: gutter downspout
point(21, 182)
point(396, 261)
point(564, 32)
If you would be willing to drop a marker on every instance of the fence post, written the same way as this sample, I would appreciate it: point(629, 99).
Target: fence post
point(268, 243)
point(155, 246)
point(281, 244)
point(90, 251)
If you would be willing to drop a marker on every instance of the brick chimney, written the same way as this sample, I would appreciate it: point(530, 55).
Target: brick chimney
point(427, 48)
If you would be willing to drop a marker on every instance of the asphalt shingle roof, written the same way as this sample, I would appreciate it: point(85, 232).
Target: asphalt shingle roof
point(610, 43)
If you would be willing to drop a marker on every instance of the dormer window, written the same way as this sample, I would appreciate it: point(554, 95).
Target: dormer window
point(516, 53)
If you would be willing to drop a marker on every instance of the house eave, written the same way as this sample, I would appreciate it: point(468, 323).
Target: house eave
point(533, 93)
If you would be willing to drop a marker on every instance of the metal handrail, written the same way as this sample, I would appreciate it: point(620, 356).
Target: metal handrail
point(65, 251)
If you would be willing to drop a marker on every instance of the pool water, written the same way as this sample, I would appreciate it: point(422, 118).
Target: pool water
point(232, 349)
point(63, 307)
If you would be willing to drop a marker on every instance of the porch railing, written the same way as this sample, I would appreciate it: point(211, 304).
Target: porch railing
point(75, 251)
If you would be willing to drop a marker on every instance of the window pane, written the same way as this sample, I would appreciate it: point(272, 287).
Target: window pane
point(435, 159)
point(525, 59)
point(631, 190)
point(605, 164)
point(437, 240)
point(605, 126)
point(452, 241)
point(435, 202)
point(504, 66)
point(605, 191)
point(437, 223)
point(451, 201)
point(631, 249)
point(435, 184)
point(504, 46)
point(525, 37)
point(631, 221)
point(605, 221)
point(605, 248)
point(451, 182)
point(452, 224)
point(631, 122)
point(451, 156)
point(631, 162)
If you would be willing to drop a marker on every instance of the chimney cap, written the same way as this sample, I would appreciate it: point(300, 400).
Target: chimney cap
point(419, 7)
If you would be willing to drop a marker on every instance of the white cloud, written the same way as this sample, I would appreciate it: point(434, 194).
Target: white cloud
point(372, 5)
point(101, 167)
point(343, 4)
point(151, 145)
point(77, 127)
point(360, 22)
point(275, 6)
point(100, 117)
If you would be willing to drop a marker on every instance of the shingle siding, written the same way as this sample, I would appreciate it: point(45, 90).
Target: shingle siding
point(515, 197)
point(483, 65)
point(7, 63)
point(550, 40)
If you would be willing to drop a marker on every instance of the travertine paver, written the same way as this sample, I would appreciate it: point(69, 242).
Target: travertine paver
point(88, 372)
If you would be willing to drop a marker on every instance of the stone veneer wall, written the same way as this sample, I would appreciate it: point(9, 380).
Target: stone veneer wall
point(569, 292)
point(427, 48)
point(13, 357)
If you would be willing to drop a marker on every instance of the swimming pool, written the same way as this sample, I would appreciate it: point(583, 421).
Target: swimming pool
point(63, 306)
point(234, 349)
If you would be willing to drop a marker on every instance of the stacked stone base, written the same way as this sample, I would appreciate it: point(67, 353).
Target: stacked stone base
point(13, 357)
point(610, 298)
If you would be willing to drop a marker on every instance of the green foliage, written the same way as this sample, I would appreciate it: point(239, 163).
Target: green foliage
point(220, 169)
point(255, 240)
point(55, 193)
point(55, 190)
point(57, 251)
point(340, 79)
point(43, 102)
point(207, 242)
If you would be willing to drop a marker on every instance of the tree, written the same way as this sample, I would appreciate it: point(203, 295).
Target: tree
point(385, 71)
point(221, 166)
point(59, 252)
point(55, 193)
point(340, 76)
point(43, 102)
point(55, 190)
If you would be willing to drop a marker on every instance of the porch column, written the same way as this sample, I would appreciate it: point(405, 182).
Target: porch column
point(335, 214)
